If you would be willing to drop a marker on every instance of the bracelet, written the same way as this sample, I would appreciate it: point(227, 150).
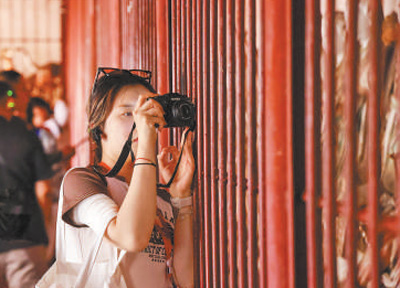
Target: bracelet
point(146, 159)
point(149, 164)
point(181, 202)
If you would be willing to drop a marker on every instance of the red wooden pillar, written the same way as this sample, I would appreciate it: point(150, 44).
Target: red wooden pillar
point(80, 58)
point(108, 33)
point(278, 118)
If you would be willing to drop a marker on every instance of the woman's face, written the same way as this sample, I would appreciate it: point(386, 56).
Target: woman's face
point(119, 122)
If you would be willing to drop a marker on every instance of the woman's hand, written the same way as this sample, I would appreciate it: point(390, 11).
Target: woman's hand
point(148, 116)
point(181, 185)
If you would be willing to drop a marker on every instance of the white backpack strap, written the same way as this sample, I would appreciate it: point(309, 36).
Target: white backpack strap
point(90, 260)
point(60, 227)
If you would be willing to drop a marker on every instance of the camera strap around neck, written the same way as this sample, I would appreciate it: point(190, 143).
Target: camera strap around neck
point(123, 155)
point(128, 149)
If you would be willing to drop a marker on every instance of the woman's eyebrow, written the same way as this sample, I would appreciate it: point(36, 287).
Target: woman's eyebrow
point(126, 106)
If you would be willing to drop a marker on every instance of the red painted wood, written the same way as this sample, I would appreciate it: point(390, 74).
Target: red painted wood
point(373, 142)
point(350, 132)
point(328, 147)
point(312, 143)
point(279, 190)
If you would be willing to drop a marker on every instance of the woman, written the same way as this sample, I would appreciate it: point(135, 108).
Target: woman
point(142, 219)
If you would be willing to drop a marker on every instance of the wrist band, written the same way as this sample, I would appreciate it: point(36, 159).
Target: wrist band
point(149, 164)
point(181, 202)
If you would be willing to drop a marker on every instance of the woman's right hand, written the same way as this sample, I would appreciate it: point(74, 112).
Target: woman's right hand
point(148, 116)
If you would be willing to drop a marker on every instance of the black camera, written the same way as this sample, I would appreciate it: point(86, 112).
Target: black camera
point(179, 110)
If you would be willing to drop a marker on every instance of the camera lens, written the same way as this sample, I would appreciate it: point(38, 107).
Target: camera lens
point(186, 111)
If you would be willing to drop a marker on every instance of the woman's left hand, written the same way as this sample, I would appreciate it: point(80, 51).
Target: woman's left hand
point(181, 185)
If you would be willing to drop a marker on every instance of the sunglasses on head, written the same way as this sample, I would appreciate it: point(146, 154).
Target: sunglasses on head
point(107, 71)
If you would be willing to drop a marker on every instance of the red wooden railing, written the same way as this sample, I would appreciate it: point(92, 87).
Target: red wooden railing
point(236, 60)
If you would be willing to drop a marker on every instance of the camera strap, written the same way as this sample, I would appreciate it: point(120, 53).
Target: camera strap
point(177, 164)
point(123, 155)
point(128, 149)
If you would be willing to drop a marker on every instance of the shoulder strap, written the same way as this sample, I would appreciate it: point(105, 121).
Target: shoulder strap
point(88, 264)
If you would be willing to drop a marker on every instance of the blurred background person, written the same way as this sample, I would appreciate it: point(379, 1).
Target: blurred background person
point(39, 116)
point(24, 190)
point(18, 84)
point(47, 83)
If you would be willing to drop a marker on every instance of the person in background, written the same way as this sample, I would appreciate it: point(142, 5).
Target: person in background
point(18, 83)
point(47, 84)
point(153, 225)
point(24, 186)
point(38, 115)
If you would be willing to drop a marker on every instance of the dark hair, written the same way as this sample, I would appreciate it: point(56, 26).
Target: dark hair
point(10, 76)
point(5, 89)
point(101, 100)
point(36, 102)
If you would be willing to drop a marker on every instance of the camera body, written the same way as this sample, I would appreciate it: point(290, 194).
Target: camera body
point(179, 110)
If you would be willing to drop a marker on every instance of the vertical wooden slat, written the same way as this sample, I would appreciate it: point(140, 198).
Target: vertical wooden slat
point(189, 47)
point(373, 142)
point(221, 132)
point(148, 35)
point(154, 41)
point(178, 40)
point(175, 10)
point(396, 156)
point(200, 147)
point(145, 25)
point(350, 132)
point(136, 37)
point(183, 64)
point(286, 9)
point(142, 27)
point(124, 33)
point(173, 44)
point(312, 143)
point(231, 134)
point(206, 140)
point(239, 144)
point(328, 147)
point(213, 115)
point(251, 163)
point(260, 92)
point(162, 40)
point(278, 139)
point(197, 193)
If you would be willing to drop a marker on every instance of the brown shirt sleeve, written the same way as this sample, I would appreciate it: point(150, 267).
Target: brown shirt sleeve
point(79, 184)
